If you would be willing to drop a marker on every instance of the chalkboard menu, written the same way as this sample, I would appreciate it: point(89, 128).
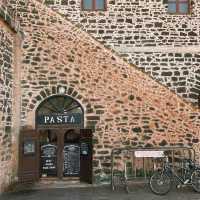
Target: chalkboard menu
point(48, 160)
point(71, 165)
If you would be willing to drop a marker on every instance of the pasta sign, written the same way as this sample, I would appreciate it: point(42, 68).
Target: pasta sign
point(74, 118)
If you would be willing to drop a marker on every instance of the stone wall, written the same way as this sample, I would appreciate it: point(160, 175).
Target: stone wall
point(6, 100)
point(123, 105)
point(142, 32)
point(177, 70)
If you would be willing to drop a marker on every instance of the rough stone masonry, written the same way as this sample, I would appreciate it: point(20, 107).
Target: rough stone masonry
point(165, 46)
point(124, 106)
point(6, 96)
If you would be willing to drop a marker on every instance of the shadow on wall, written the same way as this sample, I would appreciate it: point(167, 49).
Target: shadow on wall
point(199, 101)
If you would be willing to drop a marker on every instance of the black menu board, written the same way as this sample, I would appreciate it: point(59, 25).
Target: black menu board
point(71, 165)
point(48, 160)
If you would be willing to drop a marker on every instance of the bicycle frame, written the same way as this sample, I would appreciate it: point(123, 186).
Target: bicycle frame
point(169, 171)
point(161, 181)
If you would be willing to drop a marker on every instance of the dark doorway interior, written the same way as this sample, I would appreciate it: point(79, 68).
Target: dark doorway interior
point(59, 153)
point(55, 153)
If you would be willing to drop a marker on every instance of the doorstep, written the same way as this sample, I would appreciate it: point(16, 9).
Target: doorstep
point(65, 183)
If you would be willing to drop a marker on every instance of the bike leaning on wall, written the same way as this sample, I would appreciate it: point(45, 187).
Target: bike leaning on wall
point(161, 180)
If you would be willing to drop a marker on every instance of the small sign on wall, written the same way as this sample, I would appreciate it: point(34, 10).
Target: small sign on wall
point(29, 147)
point(149, 154)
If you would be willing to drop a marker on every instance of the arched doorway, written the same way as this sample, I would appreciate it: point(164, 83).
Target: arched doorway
point(63, 146)
point(60, 116)
point(59, 111)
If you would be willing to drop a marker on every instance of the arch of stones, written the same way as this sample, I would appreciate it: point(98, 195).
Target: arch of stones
point(89, 111)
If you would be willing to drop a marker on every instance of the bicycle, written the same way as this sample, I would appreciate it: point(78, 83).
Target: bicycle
point(161, 180)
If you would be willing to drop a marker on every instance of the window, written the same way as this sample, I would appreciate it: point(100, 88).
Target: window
point(93, 5)
point(178, 6)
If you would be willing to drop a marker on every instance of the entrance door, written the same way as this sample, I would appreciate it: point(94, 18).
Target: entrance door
point(66, 153)
point(59, 153)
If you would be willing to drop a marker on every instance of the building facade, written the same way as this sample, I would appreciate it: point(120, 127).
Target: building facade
point(66, 89)
point(148, 35)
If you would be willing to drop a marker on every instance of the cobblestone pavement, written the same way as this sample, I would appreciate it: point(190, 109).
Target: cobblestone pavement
point(100, 193)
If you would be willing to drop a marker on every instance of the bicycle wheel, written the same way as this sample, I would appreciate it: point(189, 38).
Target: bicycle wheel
point(160, 183)
point(195, 180)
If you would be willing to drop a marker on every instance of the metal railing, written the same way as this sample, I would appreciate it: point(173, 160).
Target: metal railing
point(137, 164)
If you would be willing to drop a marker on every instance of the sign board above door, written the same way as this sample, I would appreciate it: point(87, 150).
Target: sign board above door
point(60, 119)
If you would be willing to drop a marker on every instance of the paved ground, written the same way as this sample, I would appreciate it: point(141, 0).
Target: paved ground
point(100, 193)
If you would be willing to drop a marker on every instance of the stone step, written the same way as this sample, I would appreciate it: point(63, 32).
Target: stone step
point(66, 183)
point(51, 184)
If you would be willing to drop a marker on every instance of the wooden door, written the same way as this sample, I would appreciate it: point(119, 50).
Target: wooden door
point(86, 155)
point(28, 156)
